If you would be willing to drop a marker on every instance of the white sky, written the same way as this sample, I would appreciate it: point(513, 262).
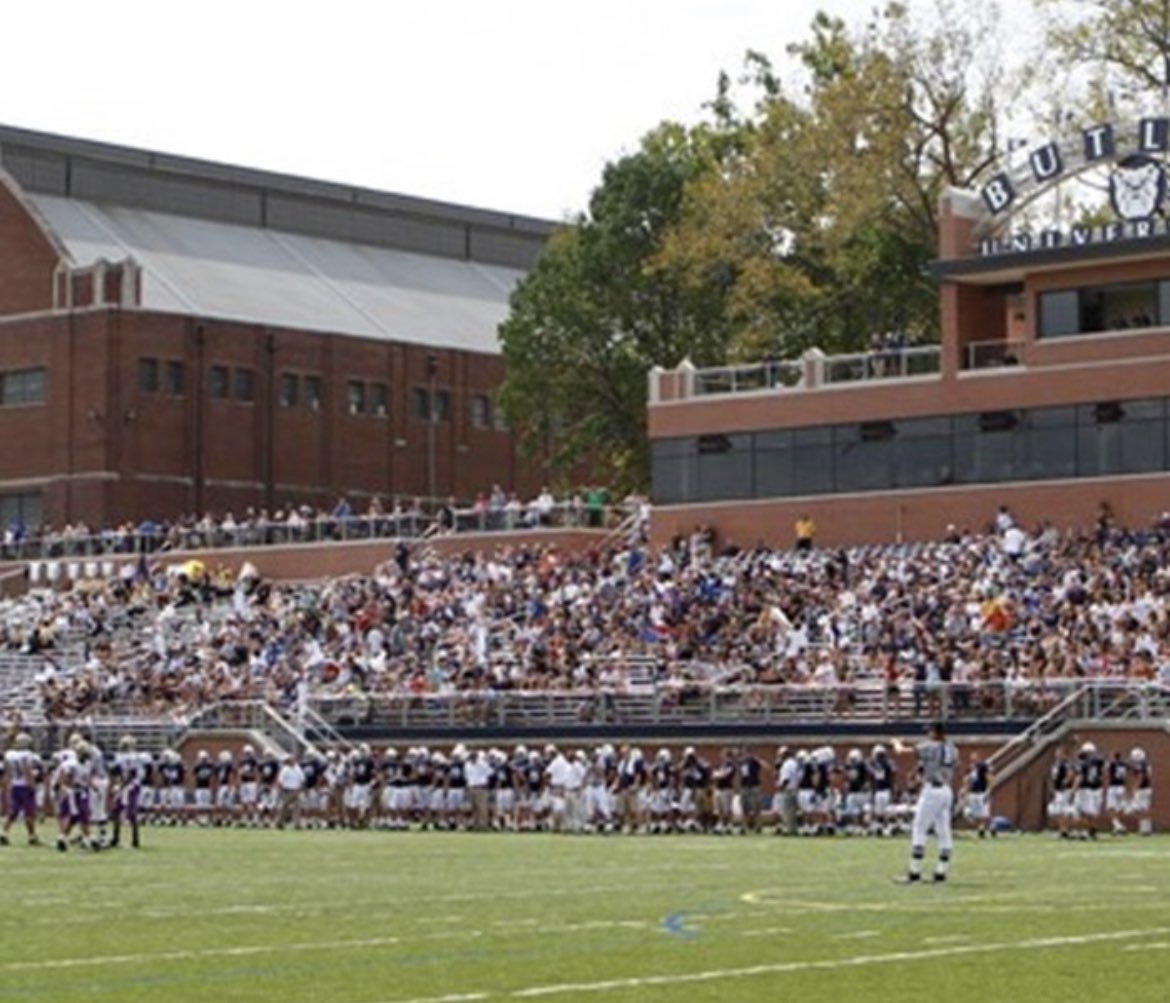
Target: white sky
point(509, 104)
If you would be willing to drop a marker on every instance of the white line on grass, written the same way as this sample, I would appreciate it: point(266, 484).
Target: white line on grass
point(766, 931)
point(857, 935)
point(1158, 945)
point(831, 964)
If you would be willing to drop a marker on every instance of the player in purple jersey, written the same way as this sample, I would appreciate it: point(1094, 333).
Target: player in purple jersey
point(128, 775)
point(20, 768)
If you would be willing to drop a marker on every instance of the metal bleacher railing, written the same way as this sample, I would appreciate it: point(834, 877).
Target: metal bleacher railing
point(59, 545)
point(869, 701)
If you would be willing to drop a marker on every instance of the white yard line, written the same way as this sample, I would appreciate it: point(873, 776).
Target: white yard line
point(633, 982)
point(831, 964)
point(1158, 945)
point(857, 935)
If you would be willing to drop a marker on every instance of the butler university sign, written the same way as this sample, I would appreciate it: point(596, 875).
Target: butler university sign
point(1134, 157)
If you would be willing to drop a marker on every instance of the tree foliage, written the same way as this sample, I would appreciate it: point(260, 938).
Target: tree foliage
point(1119, 48)
point(828, 220)
point(594, 316)
point(802, 211)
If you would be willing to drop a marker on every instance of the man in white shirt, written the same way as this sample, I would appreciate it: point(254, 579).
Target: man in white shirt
point(557, 773)
point(478, 774)
point(290, 781)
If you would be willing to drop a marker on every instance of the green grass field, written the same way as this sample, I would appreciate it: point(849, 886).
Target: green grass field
point(389, 917)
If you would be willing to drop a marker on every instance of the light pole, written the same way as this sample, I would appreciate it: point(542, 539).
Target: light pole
point(432, 372)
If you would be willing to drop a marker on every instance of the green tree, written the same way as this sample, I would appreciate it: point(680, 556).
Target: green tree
point(1120, 50)
point(597, 312)
point(826, 221)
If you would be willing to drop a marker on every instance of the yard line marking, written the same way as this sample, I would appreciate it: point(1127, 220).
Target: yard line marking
point(524, 925)
point(857, 935)
point(453, 998)
point(766, 931)
point(831, 964)
point(209, 952)
point(1158, 945)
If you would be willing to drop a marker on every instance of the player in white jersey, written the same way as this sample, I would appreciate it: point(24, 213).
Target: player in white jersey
point(1141, 791)
point(99, 792)
point(21, 766)
point(937, 758)
point(70, 785)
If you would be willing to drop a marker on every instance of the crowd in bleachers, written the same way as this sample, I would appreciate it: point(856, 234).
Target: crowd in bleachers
point(494, 510)
point(974, 613)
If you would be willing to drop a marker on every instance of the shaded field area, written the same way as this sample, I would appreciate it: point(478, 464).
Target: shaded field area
point(370, 917)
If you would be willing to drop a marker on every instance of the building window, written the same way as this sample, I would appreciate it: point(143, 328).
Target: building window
point(289, 385)
point(148, 376)
point(23, 386)
point(379, 400)
point(217, 382)
point(314, 395)
point(20, 510)
point(355, 397)
point(176, 378)
point(423, 408)
point(481, 411)
point(1092, 309)
point(245, 387)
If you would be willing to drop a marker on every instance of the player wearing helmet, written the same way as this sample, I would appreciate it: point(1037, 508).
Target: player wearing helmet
point(1141, 791)
point(977, 794)
point(1089, 784)
point(20, 768)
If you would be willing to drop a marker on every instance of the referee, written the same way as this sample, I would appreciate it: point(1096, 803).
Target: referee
point(937, 758)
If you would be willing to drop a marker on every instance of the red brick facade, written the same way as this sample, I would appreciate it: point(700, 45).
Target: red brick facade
point(100, 448)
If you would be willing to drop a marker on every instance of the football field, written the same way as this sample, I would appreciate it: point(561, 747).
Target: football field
point(372, 917)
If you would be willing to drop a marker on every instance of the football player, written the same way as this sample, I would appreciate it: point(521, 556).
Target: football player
point(203, 777)
point(248, 776)
point(1141, 791)
point(226, 791)
point(128, 774)
point(1063, 781)
point(977, 795)
point(1089, 780)
point(883, 778)
point(20, 771)
point(858, 797)
point(1117, 792)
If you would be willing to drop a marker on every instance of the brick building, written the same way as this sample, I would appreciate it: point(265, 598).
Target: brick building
point(182, 336)
point(1049, 391)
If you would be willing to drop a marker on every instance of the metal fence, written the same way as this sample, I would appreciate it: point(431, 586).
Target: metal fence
point(763, 705)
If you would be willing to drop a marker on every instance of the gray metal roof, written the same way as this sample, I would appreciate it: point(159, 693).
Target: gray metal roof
point(216, 269)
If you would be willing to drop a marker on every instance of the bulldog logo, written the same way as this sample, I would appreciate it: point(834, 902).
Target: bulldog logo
point(1137, 187)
